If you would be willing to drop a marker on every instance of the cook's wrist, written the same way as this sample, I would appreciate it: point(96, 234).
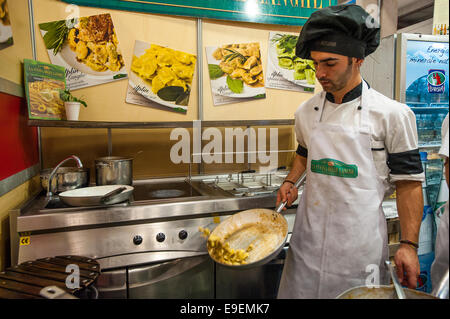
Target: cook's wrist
point(288, 181)
point(410, 244)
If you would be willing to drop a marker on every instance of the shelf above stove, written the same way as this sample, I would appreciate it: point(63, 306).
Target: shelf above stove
point(142, 125)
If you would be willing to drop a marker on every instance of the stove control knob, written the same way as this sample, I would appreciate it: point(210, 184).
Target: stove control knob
point(137, 240)
point(182, 234)
point(160, 237)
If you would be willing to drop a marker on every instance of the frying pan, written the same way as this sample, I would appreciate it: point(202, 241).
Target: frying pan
point(97, 195)
point(266, 230)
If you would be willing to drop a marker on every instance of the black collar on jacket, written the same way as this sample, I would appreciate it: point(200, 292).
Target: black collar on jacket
point(350, 95)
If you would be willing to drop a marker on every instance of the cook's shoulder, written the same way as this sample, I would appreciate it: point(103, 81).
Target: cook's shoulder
point(388, 106)
point(309, 104)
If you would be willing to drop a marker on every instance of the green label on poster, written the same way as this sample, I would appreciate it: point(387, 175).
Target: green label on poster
point(285, 12)
point(329, 166)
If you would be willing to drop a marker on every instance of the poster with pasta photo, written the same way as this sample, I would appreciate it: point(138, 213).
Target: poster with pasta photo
point(161, 77)
point(235, 72)
point(285, 70)
point(43, 83)
point(87, 48)
point(6, 36)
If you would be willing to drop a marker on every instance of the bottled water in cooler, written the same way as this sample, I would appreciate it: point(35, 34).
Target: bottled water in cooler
point(429, 127)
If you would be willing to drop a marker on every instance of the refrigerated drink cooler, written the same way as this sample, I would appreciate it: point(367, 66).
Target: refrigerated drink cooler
point(413, 69)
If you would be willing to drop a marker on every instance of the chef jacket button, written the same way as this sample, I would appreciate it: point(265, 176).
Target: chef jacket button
point(316, 108)
point(359, 107)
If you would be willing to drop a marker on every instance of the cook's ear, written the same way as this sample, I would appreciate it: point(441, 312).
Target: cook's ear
point(359, 61)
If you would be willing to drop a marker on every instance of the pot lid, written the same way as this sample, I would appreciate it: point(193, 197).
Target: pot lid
point(113, 158)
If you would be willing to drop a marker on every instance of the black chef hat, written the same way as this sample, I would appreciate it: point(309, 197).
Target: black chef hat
point(344, 29)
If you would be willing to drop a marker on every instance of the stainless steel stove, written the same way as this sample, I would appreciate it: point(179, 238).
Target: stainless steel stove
point(150, 247)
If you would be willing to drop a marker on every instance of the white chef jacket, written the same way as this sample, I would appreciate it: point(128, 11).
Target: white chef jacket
point(440, 264)
point(443, 151)
point(393, 130)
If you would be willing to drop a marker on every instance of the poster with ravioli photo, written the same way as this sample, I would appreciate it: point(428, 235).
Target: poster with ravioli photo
point(235, 72)
point(285, 70)
point(87, 48)
point(6, 36)
point(161, 76)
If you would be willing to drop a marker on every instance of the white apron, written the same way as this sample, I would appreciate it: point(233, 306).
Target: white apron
point(440, 263)
point(339, 239)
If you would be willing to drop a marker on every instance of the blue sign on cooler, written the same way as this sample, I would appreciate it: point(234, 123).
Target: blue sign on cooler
point(436, 81)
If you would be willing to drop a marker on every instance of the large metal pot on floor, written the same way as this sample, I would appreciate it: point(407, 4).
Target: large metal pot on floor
point(382, 292)
point(114, 170)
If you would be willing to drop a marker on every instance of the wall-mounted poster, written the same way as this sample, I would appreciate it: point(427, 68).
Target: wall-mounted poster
point(6, 37)
point(87, 47)
point(236, 73)
point(161, 75)
point(43, 83)
point(285, 70)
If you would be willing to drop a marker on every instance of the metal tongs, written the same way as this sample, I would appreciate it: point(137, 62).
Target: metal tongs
point(299, 183)
point(397, 285)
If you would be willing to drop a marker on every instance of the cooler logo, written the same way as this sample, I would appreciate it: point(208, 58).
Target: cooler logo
point(436, 80)
point(329, 166)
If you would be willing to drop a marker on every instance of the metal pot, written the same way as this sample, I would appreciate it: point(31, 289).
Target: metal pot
point(65, 178)
point(114, 170)
point(382, 292)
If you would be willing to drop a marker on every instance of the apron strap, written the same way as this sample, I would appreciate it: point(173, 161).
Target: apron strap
point(364, 109)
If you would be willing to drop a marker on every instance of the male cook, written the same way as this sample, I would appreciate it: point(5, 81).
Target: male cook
point(354, 144)
point(440, 265)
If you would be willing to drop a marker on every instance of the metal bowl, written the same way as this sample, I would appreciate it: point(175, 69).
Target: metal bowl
point(381, 292)
point(265, 229)
point(65, 178)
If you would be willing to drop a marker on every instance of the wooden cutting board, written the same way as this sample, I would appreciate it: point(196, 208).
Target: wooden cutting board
point(26, 280)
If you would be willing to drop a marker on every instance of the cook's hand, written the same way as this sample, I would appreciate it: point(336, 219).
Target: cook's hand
point(288, 192)
point(408, 267)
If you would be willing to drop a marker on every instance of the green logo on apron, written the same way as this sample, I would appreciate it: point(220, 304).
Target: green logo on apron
point(329, 166)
